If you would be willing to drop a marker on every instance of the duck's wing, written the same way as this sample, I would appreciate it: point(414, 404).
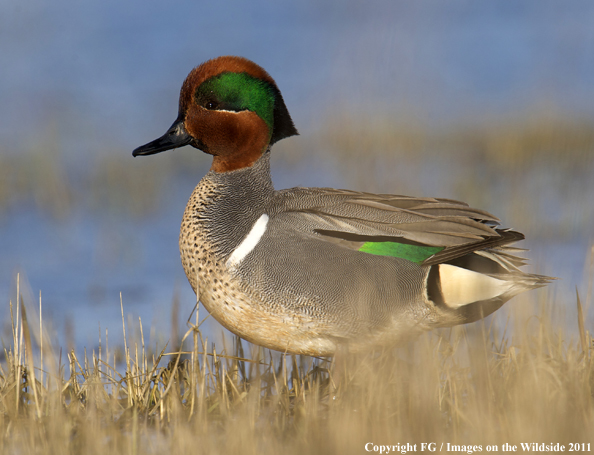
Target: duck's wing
point(424, 230)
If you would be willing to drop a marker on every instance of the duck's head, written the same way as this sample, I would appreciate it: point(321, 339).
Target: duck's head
point(230, 108)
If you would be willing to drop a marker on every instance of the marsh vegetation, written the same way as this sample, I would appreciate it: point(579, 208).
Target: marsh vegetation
point(474, 385)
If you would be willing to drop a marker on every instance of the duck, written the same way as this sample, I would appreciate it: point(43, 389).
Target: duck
point(316, 270)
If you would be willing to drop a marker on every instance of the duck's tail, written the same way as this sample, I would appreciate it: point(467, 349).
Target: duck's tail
point(476, 285)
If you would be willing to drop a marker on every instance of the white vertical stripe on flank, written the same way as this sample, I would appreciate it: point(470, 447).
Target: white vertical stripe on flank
point(249, 242)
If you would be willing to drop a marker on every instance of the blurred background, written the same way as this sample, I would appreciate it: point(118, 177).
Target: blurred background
point(488, 102)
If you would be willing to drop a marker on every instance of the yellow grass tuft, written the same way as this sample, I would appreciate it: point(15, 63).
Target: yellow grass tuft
point(471, 385)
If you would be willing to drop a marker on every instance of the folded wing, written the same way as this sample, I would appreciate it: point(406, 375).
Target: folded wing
point(425, 230)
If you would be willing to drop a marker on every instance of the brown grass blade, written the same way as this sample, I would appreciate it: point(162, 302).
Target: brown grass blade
point(29, 359)
point(581, 328)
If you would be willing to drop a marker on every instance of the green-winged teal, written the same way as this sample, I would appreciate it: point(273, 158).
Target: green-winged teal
point(308, 270)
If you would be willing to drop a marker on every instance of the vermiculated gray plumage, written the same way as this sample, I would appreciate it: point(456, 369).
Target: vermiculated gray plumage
point(305, 288)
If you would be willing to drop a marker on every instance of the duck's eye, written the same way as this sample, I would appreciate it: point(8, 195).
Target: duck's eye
point(211, 105)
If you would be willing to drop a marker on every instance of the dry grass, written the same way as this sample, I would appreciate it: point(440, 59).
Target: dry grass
point(110, 183)
point(472, 385)
point(508, 141)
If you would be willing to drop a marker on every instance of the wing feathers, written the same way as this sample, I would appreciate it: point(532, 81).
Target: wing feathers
point(350, 218)
point(427, 207)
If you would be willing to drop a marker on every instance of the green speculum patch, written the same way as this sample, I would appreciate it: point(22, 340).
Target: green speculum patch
point(239, 92)
point(413, 253)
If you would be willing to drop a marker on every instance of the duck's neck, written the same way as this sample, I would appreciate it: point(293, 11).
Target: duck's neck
point(246, 183)
point(231, 202)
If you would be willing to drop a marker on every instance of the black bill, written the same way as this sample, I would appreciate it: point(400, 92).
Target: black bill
point(176, 136)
